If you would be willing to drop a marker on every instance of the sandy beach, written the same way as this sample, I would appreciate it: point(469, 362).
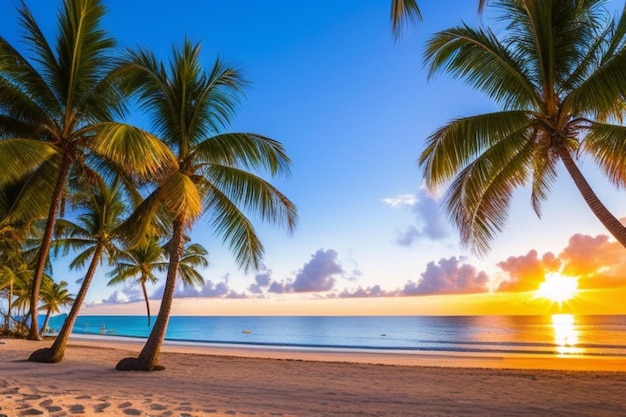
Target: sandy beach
point(225, 381)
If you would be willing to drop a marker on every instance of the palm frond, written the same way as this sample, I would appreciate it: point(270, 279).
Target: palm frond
point(83, 49)
point(244, 150)
point(252, 193)
point(134, 149)
point(479, 197)
point(36, 98)
point(456, 144)
point(139, 225)
point(82, 258)
point(606, 143)
point(485, 63)
point(181, 197)
point(30, 197)
point(544, 176)
point(20, 157)
point(402, 13)
point(236, 230)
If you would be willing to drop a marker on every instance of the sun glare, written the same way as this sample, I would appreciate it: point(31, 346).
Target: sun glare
point(558, 288)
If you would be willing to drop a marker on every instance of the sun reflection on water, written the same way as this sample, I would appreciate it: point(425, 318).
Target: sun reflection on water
point(566, 334)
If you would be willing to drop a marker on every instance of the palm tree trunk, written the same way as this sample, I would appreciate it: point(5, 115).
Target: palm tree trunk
point(145, 297)
point(44, 250)
point(9, 305)
point(45, 322)
point(612, 223)
point(55, 353)
point(148, 358)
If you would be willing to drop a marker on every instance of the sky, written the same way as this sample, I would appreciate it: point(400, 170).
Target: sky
point(353, 108)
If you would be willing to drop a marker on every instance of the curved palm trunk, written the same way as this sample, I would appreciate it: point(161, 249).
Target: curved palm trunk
point(44, 249)
point(148, 358)
point(45, 322)
point(55, 353)
point(145, 297)
point(612, 224)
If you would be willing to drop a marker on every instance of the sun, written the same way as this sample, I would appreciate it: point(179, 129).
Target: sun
point(558, 288)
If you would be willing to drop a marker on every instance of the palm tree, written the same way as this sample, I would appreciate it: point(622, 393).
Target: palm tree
point(57, 110)
point(189, 108)
point(140, 264)
point(54, 296)
point(14, 270)
point(558, 73)
point(94, 235)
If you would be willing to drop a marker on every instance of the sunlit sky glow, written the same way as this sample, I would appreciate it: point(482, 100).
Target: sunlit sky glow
point(353, 109)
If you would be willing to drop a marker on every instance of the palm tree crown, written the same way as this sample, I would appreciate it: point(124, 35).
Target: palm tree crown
point(57, 111)
point(557, 71)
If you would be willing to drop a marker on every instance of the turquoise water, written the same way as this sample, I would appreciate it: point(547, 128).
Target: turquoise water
point(561, 334)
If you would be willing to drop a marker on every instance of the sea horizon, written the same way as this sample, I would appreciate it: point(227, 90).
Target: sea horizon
point(557, 334)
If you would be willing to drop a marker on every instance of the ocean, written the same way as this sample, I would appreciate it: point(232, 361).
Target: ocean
point(559, 334)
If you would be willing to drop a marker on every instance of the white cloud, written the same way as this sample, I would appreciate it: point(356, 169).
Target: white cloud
point(404, 200)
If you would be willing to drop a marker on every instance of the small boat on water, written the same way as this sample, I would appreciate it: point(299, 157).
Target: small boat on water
point(246, 331)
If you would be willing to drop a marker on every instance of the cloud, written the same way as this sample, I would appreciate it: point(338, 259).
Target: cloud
point(526, 272)
point(374, 291)
point(262, 281)
point(449, 276)
point(127, 294)
point(209, 290)
point(318, 273)
point(408, 236)
point(598, 262)
point(404, 200)
point(428, 215)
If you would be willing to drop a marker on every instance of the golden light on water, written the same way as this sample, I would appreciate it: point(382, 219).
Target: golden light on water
point(566, 334)
point(558, 288)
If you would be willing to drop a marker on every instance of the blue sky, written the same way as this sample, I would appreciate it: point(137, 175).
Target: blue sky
point(353, 109)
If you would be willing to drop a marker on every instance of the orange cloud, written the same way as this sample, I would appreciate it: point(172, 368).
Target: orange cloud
point(526, 272)
point(598, 262)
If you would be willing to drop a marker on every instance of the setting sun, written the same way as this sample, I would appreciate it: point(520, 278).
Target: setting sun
point(558, 288)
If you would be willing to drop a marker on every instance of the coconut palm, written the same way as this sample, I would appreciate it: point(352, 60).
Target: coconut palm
point(57, 110)
point(140, 264)
point(13, 272)
point(93, 236)
point(189, 108)
point(558, 73)
point(54, 296)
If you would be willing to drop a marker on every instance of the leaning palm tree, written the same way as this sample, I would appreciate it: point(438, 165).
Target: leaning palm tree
point(54, 296)
point(558, 73)
point(57, 110)
point(140, 264)
point(94, 236)
point(189, 109)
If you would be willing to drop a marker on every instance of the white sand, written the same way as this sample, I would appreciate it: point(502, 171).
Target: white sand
point(224, 381)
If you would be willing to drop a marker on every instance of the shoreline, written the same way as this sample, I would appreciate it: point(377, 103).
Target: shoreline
point(216, 382)
point(369, 356)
